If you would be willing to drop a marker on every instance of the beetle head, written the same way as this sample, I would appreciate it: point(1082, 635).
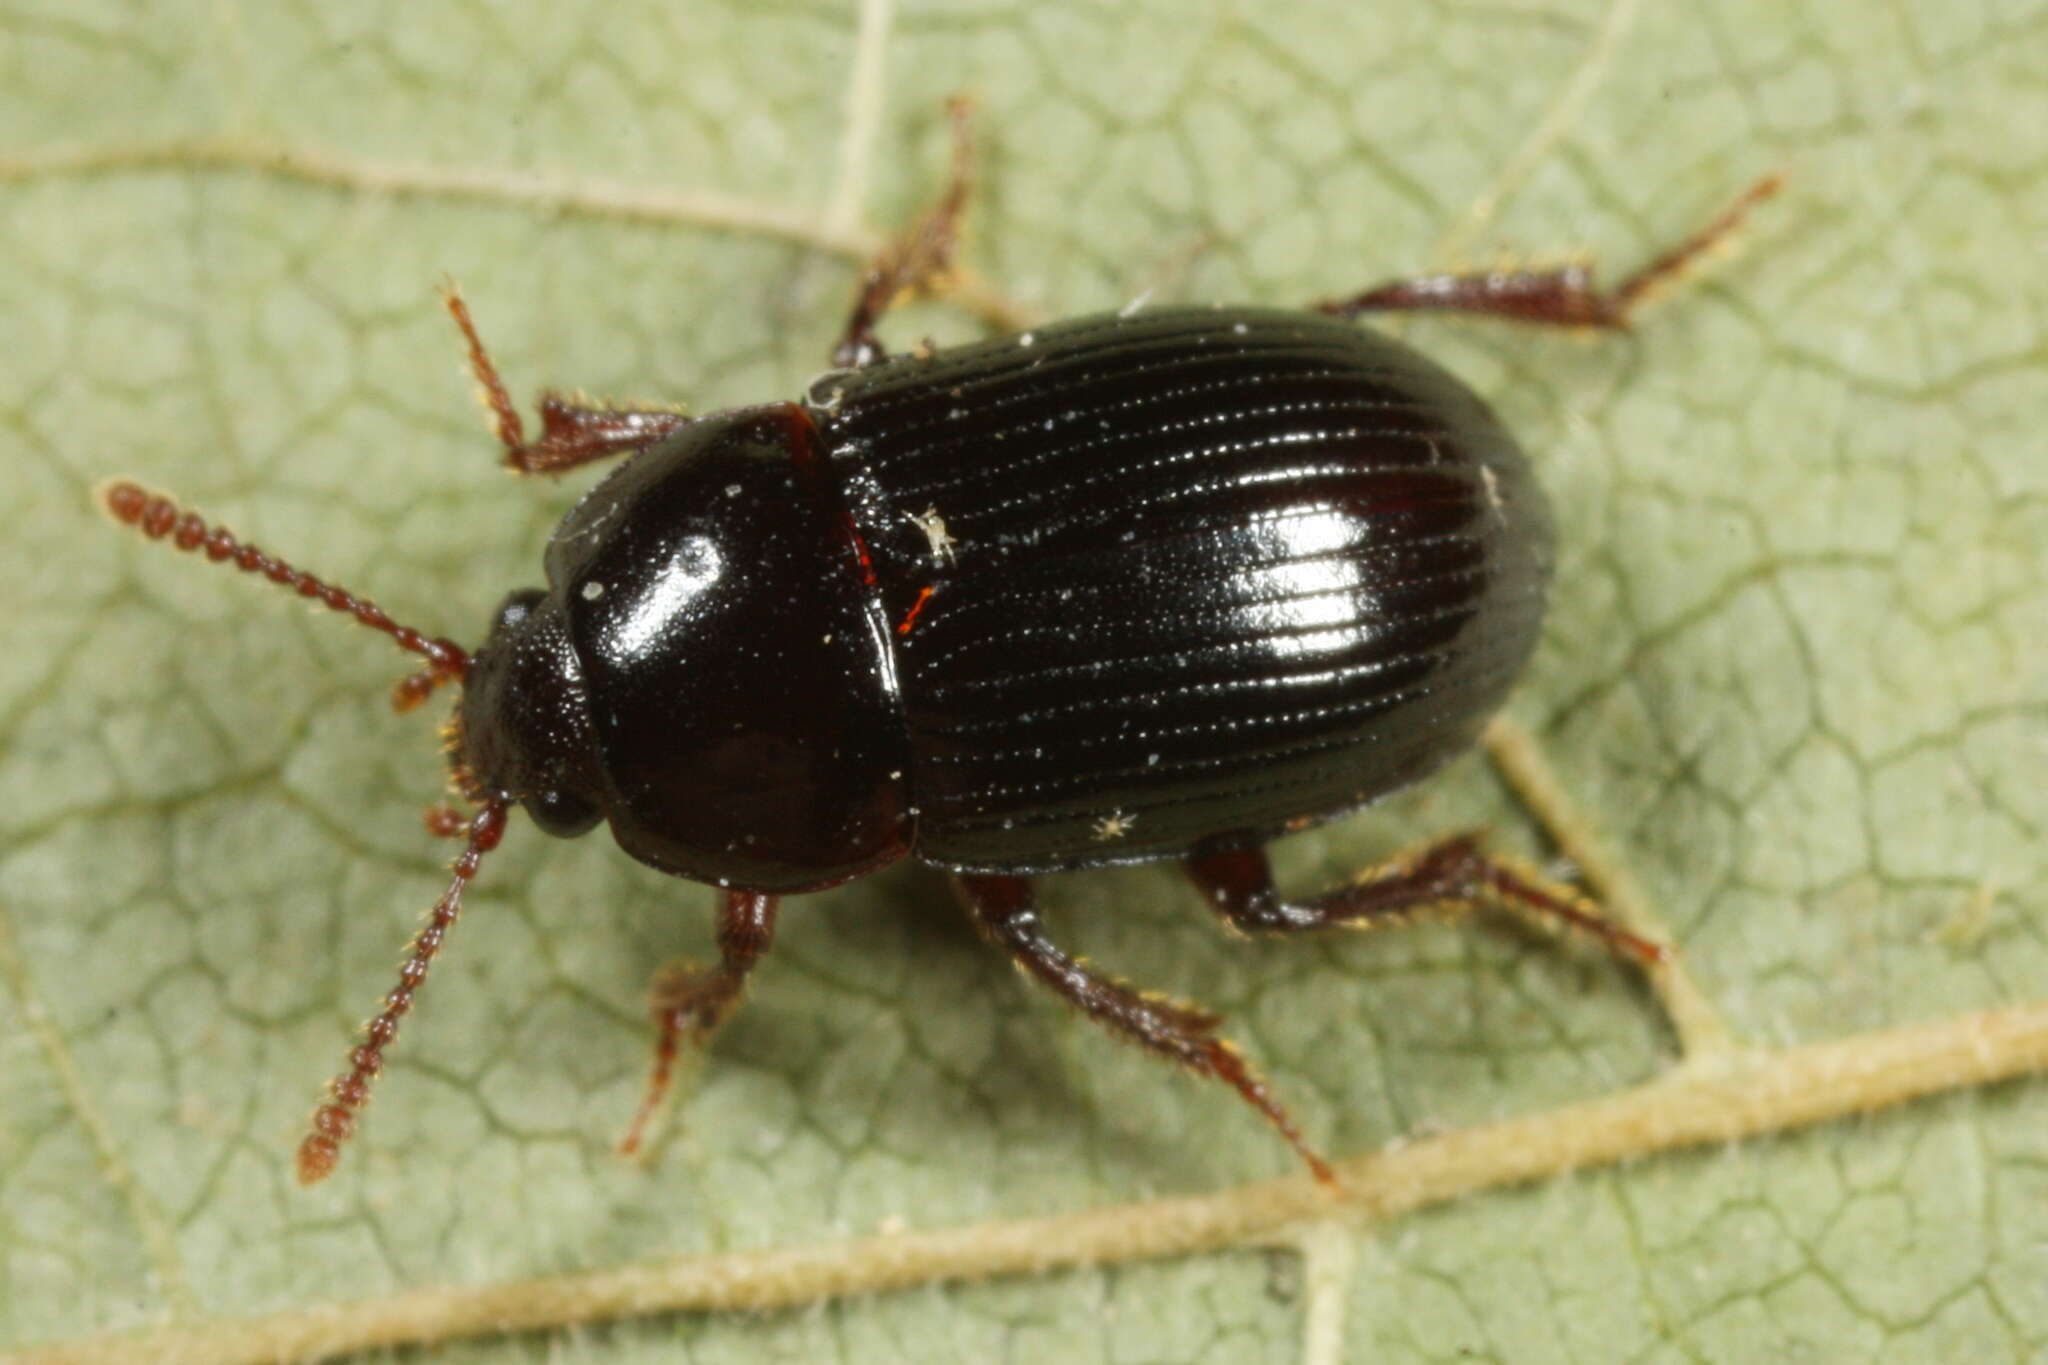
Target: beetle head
point(522, 729)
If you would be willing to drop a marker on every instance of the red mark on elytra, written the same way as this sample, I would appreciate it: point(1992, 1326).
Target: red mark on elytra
point(924, 595)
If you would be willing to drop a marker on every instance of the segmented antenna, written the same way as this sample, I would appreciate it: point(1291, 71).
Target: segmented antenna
point(334, 1121)
point(158, 517)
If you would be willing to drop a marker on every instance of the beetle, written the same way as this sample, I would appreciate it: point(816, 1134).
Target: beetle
point(1160, 584)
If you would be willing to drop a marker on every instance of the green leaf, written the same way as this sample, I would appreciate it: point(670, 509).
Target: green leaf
point(1795, 675)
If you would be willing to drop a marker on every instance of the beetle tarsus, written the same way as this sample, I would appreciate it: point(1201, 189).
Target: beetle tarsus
point(1561, 297)
point(690, 1002)
point(918, 257)
point(1451, 874)
point(1006, 913)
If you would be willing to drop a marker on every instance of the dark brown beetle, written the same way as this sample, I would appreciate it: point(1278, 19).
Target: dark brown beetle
point(1159, 584)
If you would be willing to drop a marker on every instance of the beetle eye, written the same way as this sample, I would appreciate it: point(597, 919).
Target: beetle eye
point(516, 607)
point(562, 814)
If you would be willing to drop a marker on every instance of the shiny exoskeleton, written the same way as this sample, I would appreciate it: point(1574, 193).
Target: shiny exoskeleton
point(1157, 584)
point(1215, 574)
point(1210, 574)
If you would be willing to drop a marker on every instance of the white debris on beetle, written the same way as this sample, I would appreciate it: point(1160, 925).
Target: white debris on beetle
point(1114, 825)
point(1490, 481)
point(1130, 310)
point(592, 590)
point(934, 527)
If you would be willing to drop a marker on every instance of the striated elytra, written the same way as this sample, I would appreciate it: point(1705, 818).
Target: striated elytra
point(1214, 574)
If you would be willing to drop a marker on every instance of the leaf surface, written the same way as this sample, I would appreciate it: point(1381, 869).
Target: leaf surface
point(1795, 672)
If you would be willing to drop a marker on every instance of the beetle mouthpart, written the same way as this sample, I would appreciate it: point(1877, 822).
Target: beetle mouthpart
point(159, 517)
point(414, 688)
point(444, 821)
point(460, 774)
point(334, 1121)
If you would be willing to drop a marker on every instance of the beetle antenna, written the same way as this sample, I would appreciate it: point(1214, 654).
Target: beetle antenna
point(158, 517)
point(336, 1119)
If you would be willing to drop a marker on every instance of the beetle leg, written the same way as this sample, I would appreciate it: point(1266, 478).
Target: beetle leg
point(1450, 874)
point(692, 1002)
point(1565, 297)
point(1007, 915)
point(572, 431)
point(916, 258)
